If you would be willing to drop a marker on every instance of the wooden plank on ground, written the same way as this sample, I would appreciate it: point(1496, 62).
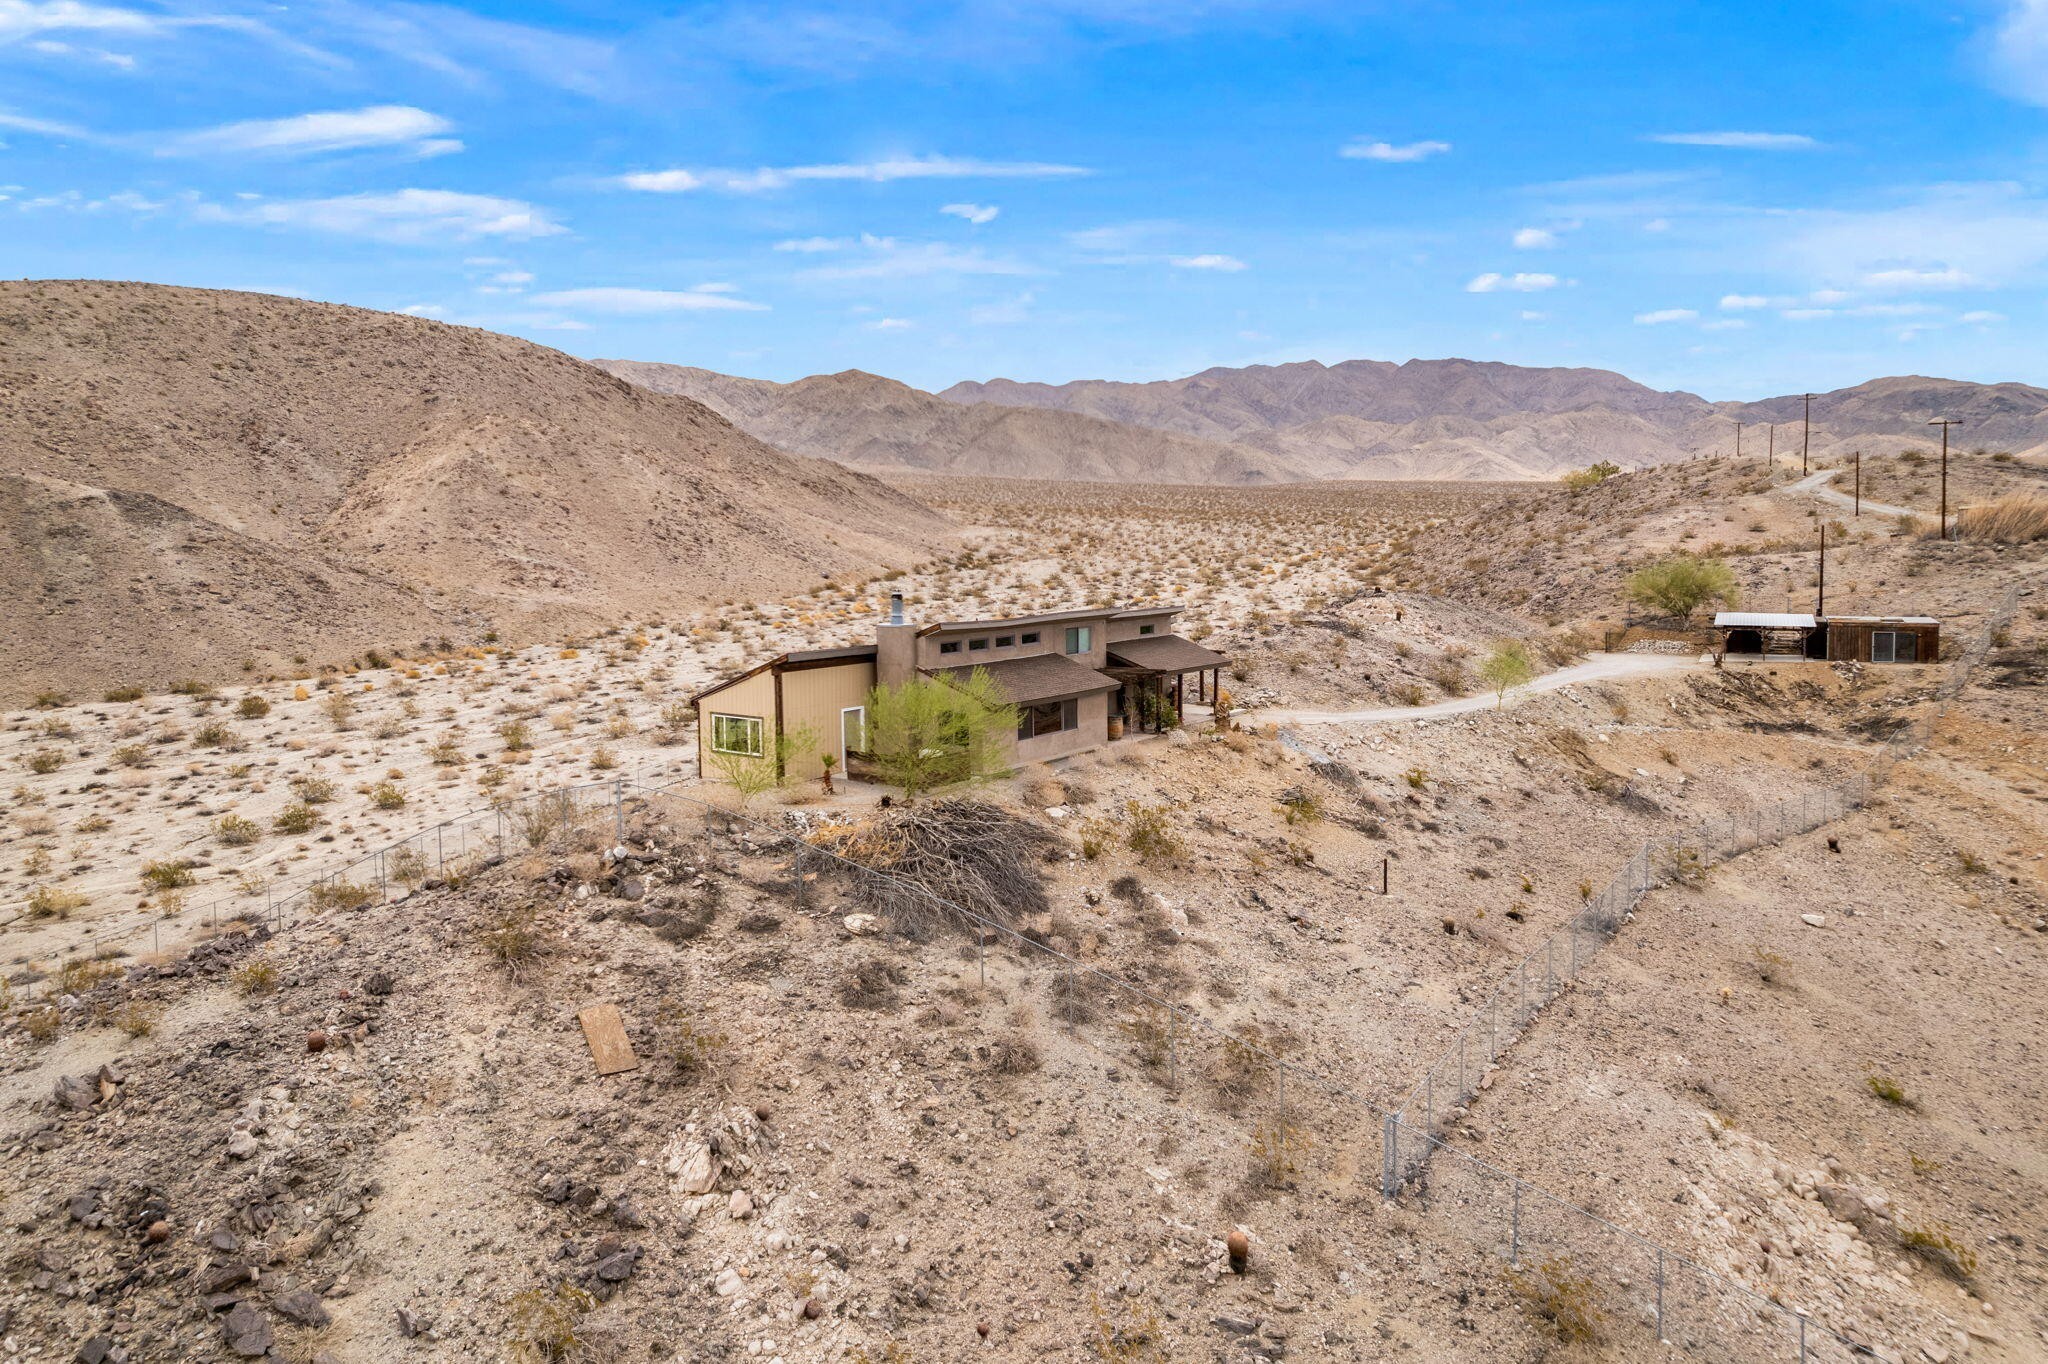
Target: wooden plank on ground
point(606, 1033)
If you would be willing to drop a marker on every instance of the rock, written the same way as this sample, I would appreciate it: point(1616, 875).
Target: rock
point(411, 1325)
point(76, 1092)
point(379, 983)
point(728, 1282)
point(223, 1277)
point(248, 1332)
point(632, 888)
point(316, 1041)
point(860, 925)
point(813, 1309)
point(626, 1213)
point(241, 1145)
point(302, 1305)
point(97, 1350)
point(1179, 738)
point(695, 1170)
point(1814, 920)
point(1240, 1247)
point(1235, 1326)
point(617, 1268)
point(740, 1206)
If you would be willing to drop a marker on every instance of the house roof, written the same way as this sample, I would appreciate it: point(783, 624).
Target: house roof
point(1040, 677)
point(1886, 620)
point(796, 658)
point(1765, 620)
point(1048, 618)
point(1164, 653)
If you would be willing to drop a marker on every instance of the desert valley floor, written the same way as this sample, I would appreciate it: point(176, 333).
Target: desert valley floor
point(368, 1127)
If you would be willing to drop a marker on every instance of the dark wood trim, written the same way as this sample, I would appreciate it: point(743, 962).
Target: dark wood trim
point(774, 754)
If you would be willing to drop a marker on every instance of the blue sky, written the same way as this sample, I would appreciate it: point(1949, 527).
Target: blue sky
point(1734, 199)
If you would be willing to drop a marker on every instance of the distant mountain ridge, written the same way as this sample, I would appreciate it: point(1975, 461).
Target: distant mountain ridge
point(1457, 419)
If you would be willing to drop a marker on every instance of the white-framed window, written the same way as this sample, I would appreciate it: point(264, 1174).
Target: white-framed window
point(1051, 717)
point(737, 734)
point(1080, 639)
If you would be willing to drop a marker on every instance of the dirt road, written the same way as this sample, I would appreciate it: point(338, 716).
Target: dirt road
point(1817, 484)
point(1600, 668)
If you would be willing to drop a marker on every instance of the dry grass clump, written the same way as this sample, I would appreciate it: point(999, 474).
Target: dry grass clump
point(979, 856)
point(2015, 519)
point(871, 983)
point(544, 1324)
point(1939, 1247)
point(515, 941)
point(53, 902)
point(255, 977)
point(1562, 1296)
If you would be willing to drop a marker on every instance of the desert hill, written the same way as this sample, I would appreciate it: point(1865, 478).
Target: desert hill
point(201, 480)
point(871, 422)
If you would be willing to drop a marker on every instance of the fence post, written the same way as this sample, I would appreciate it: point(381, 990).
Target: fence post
point(1390, 1154)
point(1660, 1293)
point(1429, 1101)
point(1802, 1338)
point(1515, 1227)
point(1172, 1038)
point(796, 862)
point(440, 857)
point(1549, 973)
point(619, 808)
point(981, 956)
point(1461, 1064)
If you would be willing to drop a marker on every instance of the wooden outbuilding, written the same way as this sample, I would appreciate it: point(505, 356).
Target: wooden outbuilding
point(1884, 639)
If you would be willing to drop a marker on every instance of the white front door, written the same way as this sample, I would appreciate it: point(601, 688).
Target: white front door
point(853, 733)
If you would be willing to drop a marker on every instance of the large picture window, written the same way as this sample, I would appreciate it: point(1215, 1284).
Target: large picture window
point(738, 734)
point(1051, 717)
point(1080, 639)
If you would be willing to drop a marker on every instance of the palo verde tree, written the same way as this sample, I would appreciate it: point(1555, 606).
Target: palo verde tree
point(928, 733)
point(1506, 665)
point(1678, 586)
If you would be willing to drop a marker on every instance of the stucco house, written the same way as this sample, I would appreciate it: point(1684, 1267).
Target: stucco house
point(1079, 679)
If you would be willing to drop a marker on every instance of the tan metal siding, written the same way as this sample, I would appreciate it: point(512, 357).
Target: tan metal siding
point(754, 696)
point(815, 697)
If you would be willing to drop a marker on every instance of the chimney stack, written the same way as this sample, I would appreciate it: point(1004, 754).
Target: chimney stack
point(895, 608)
point(895, 646)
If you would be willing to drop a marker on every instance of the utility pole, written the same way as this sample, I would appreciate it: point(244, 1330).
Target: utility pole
point(1820, 607)
point(1859, 483)
point(1738, 440)
point(1944, 423)
point(1805, 434)
point(1771, 460)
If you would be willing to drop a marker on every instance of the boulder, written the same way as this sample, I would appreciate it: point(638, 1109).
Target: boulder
point(248, 1332)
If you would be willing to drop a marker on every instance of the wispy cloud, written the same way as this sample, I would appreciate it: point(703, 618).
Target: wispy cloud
point(1741, 302)
point(1981, 317)
point(2019, 50)
point(1953, 236)
point(1521, 283)
point(890, 324)
point(1120, 236)
point(1753, 142)
point(28, 18)
point(1663, 315)
point(872, 172)
point(973, 213)
point(813, 245)
point(1007, 312)
point(380, 125)
point(888, 258)
point(1943, 277)
point(1535, 239)
point(1362, 149)
point(45, 127)
point(1228, 264)
point(650, 302)
point(409, 216)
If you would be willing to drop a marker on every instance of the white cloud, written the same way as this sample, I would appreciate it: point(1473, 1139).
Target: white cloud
point(22, 123)
point(2019, 50)
point(890, 324)
point(1657, 225)
point(1739, 302)
point(872, 172)
point(1530, 315)
point(513, 277)
point(1942, 277)
point(973, 213)
point(887, 258)
point(1806, 314)
point(1209, 262)
point(1723, 324)
point(813, 245)
point(1491, 283)
point(1663, 315)
point(1362, 150)
point(1756, 142)
point(379, 125)
point(423, 310)
point(1006, 313)
point(1119, 236)
point(405, 216)
point(1535, 239)
point(649, 302)
point(25, 18)
point(1828, 298)
point(1982, 316)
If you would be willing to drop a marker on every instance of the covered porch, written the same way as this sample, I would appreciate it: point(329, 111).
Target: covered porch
point(1159, 678)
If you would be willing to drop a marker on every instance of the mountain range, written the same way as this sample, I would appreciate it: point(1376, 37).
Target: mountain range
point(1359, 419)
point(197, 483)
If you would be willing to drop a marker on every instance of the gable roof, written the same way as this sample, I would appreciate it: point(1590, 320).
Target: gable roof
point(1164, 653)
point(795, 658)
point(1038, 677)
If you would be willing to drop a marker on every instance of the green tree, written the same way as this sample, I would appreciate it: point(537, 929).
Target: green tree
point(753, 776)
point(1679, 585)
point(1507, 665)
point(928, 734)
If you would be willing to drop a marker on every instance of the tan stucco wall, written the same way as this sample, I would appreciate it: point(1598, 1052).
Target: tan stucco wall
point(815, 697)
point(755, 697)
point(1091, 730)
point(1127, 628)
point(1052, 639)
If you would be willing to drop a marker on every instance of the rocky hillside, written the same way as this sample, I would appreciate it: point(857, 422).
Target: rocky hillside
point(874, 423)
point(202, 482)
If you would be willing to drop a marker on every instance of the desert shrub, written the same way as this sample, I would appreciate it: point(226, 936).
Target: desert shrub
point(215, 734)
point(1593, 474)
point(135, 1018)
point(544, 1324)
point(1449, 676)
point(168, 875)
point(296, 818)
point(1150, 833)
point(1940, 1248)
point(1150, 1030)
point(339, 894)
point(252, 707)
point(132, 755)
point(387, 795)
point(1014, 1054)
point(1417, 777)
point(54, 902)
point(42, 1024)
point(1685, 866)
point(1300, 805)
point(1276, 1150)
point(235, 831)
point(514, 940)
point(50, 700)
point(43, 761)
point(675, 719)
point(692, 1050)
point(80, 974)
point(124, 694)
point(1562, 1296)
point(190, 686)
point(257, 976)
point(871, 983)
point(1242, 1072)
point(446, 751)
point(2014, 519)
point(1770, 966)
point(1888, 1089)
point(1408, 693)
point(1506, 665)
point(1678, 586)
point(969, 853)
point(312, 790)
point(929, 734)
point(516, 735)
point(340, 708)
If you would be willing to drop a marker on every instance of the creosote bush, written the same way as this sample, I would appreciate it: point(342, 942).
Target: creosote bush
point(296, 818)
point(256, 976)
point(167, 875)
point(387, 795)
point(1562, 1296)
point(235, 831)
point(515, 941)
point(53, 902)
point(252, 707)
point(1940, 1248)
point(544, 1324)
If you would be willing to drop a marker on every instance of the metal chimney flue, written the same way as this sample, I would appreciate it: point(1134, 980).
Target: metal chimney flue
point(896, 608)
